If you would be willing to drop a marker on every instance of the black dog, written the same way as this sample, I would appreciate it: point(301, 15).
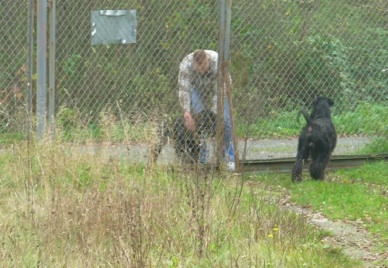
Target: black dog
point(186, 143)
point(317, 139)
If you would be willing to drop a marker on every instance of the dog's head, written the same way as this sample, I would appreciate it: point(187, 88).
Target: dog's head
point(321, 100)
point(321, 107)
point(206, 121)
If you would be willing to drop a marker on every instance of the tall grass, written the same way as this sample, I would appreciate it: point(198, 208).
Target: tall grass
point(63, 208)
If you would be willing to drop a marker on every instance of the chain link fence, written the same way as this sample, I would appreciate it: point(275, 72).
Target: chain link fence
point(283, 53)
point(14, 51)
point(287, 52)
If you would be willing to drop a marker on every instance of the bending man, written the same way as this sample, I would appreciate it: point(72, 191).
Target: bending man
point(197, 84)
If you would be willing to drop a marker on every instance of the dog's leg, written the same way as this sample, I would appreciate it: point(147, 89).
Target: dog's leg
point(318, 165)
point(180, 140)
point(195, 148)
point(185, 144)
point(189, 152)
point(301, 156)
point(320, 158)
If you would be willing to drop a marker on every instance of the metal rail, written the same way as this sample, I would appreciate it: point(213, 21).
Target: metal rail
point(284, 165)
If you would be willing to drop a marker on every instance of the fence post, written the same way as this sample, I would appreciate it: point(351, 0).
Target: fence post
point(41, 68)
point(52, 14)
point(220, 82)
point(30, 41)
point(224, 81)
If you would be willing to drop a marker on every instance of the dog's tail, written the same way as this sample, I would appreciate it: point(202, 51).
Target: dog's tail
point(306, 117)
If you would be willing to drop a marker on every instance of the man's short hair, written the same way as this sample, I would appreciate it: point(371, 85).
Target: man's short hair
point(199, 56)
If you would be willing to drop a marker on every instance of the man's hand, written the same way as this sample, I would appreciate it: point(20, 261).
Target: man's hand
point(189, 121)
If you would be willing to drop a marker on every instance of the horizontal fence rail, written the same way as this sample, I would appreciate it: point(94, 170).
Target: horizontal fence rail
point(285, 165)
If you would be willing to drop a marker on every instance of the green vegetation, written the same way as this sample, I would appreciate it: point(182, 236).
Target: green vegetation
point(358, 195)
point(378, 145)
point(366, 119)
point(63, 208)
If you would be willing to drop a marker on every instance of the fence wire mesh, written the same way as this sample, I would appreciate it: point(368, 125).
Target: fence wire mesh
point(283, 53)
point(13, 67)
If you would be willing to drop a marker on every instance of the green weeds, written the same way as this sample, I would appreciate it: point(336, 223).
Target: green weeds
point(60, 207)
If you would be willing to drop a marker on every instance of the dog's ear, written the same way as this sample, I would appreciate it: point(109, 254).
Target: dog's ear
point(330, 101)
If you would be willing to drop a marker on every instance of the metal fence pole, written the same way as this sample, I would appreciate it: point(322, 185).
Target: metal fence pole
point(228, 17)
point(52, 14)
point(220, 82)
point(41, 68)
point(224, 82)
point(30, 41)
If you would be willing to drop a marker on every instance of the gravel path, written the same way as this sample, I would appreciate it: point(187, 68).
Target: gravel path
point(356, 242)
point(255, 149)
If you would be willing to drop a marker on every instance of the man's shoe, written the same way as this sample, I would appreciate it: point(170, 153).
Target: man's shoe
point(231, 166)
